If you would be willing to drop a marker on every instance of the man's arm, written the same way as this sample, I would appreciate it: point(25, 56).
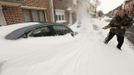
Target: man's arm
point(110, 24)
point(106, 27)
point(127, 22)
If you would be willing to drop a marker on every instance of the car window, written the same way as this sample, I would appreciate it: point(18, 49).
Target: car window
point(43, 31)
point(61, 30)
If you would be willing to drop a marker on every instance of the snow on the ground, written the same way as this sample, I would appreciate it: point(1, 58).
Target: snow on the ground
point(85, 54)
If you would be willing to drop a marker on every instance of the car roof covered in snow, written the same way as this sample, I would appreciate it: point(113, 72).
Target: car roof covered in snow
point(19, 32)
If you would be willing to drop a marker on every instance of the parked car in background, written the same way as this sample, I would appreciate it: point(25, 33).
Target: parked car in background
point(39, 30)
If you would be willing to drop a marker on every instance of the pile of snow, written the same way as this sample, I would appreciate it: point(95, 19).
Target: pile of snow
point(76, 26)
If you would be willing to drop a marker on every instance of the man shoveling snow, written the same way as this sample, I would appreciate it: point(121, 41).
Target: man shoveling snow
point(118, 26)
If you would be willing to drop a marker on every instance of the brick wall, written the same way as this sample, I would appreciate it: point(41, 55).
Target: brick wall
point(39, 3)
point(62, 4)
point(36, 3)
point(12, 14)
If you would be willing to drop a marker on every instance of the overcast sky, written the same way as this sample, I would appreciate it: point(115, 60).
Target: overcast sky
point(107, 5)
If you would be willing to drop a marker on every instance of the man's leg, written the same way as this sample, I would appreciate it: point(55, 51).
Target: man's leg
point(109, 37)
point(120, 40)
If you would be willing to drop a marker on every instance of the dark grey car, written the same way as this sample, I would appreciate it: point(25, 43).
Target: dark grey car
point(40, 30)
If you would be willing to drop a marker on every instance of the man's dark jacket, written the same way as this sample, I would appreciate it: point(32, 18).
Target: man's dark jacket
point(119, 24)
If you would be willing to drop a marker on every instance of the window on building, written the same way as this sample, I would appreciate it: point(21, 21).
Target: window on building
point(34, 15)
point(63, 18)
point(42, 16)
point(26, 15)
point(60, 16)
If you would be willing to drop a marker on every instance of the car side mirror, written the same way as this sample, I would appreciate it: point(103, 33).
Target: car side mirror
point(74, 33)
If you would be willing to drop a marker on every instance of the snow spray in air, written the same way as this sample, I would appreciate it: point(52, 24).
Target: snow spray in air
point(84, 12)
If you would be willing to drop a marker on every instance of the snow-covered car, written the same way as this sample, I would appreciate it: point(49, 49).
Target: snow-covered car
point(39, 30)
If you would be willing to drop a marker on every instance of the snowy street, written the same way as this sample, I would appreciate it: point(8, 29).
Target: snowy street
point(82, 55)
point(65, 54)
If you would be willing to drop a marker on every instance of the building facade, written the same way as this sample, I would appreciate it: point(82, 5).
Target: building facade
point(59, 11)
point(64, 12)
point(18, 11)
point(2, 18)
